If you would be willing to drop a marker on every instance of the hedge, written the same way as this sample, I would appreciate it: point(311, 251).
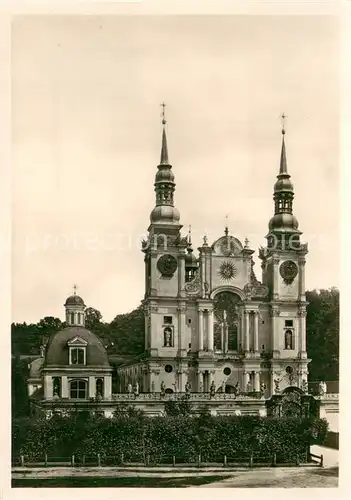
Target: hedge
point(183, 436)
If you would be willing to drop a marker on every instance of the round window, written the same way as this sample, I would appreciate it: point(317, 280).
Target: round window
point(168, 368)
point(227, 371)
point(289, 370)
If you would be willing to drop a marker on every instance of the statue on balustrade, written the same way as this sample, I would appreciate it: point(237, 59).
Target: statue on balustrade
point(129, 388)
point(163, 388)
point(188, 388)
point(223, 386)
point(263, 388)
point(152, 386)
point(249, 387)
point(304, 386)
point(136, 389)
point(212, 388)
point(237, 389)
point(322, 388)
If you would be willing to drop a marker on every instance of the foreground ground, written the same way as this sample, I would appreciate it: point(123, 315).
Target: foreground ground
point(279, 477)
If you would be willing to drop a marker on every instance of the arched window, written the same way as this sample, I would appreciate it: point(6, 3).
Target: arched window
point(100, 387)
point(226, 318)
point(78, 318)
point(78, 389)
point(72, 318)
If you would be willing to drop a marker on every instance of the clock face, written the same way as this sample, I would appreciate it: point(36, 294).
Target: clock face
point(288, 271)
point(167, 265)
point(227, 270)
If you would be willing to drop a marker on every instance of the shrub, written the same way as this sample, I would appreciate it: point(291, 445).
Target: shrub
point(137, 436)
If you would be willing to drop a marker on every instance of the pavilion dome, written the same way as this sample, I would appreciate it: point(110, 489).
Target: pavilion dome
point(57, 351)
point(74, 300)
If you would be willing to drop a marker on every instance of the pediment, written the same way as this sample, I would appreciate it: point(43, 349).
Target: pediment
point(77, 341)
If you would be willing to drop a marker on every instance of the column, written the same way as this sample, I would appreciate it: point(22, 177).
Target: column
point(256, 348)
point(48, 387)
point(153, 274)
point(276, 261)
point(241, 337)
point(202, 264)
point(246, 380)
point(181, 275)
point(201, 329)
point(156, 341)
point(302, 262)
point(257, 381)
point(247, 331)
point(64, 387)
point(181, 327)
point(222, 338)
point(210, 329)
point(200, 382)
point(108, 387)
point(210, 379)
point(271, 380)
point(302, 329)
point(92, 387)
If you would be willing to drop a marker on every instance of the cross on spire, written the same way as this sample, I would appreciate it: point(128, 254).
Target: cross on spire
point(283, 118)
point(75, 289)
point(163, 113)
point(226, 230)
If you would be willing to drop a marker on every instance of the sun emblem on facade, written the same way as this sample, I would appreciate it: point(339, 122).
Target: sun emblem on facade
point(227, 271)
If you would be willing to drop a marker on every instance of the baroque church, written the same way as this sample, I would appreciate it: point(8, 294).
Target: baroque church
point(212, 329)
point(209, 322)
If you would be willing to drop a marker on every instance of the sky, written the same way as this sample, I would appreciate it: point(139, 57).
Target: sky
point(86, 134)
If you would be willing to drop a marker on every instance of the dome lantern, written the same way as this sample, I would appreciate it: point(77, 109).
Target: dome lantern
point(75, 309)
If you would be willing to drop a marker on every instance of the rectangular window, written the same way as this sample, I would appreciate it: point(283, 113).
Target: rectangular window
point(189, 321)
point(78, 389)
point(262, 347)
point(167, 320)
point(77, 356)
point(289, 323)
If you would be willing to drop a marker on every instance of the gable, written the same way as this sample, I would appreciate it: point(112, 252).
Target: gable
point(77, 341)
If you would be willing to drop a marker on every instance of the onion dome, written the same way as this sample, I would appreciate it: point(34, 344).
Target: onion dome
point(283, 222)
point(164, 213)
point(190, 259)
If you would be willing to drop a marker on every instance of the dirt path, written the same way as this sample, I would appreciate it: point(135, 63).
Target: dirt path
point(295, 477)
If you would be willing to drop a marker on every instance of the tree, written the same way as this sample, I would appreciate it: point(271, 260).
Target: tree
point(322, 330)
point(93, 318)
point(19, 391)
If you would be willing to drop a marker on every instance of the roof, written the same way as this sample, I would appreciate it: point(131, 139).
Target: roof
point(74, 300)
point(35, 368)
point(57, 348)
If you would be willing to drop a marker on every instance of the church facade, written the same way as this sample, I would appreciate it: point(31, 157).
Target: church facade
point(213, 331)
point(210, 324)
